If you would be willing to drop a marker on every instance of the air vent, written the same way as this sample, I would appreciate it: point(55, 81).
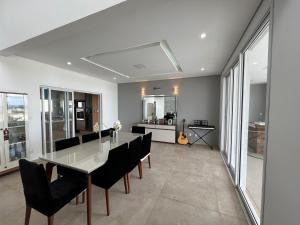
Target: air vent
point(139, 66)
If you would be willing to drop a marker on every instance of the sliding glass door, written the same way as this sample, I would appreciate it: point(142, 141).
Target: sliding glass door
point(13, 129)
point(228, 115)
point(66, 113)
point(57, 116)
point(253, 120)
point(244, 92)
point(231, 104)
point(235, 99)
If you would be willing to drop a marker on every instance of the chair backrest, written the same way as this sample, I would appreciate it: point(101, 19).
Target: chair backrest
point(35, 183)
point(146, 143)
point(66, 143)
point(134, 153)
point(105, 133)
point(116, 165)
point(90, 137)
point(138, 130)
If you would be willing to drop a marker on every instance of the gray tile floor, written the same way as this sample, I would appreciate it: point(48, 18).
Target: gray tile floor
point(185, 186)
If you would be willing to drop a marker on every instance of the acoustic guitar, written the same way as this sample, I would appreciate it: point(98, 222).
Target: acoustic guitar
point(182, 139)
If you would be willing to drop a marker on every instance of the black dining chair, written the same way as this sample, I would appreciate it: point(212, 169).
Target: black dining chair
point(43, 196)
point(66, 143)
point(90, 137)
point(63, 171)
point(105, 133)
point(146, 151)
point(138, 130)
point(112, 171)
point(134, 153)
point(61, 145)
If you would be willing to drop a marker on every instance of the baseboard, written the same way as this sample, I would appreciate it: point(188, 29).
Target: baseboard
point(9, 171)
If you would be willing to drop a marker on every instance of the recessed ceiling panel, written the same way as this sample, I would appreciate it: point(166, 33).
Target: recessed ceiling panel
point(136, 62)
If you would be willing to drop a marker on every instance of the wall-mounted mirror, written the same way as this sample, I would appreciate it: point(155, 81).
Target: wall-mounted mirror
point(159, 109)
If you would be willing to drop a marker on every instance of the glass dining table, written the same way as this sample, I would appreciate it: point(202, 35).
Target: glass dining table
point(86, 158)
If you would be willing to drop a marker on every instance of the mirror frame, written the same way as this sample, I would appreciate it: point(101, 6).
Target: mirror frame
point(148, 96)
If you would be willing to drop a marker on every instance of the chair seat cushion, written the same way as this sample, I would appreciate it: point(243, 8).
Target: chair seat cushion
point(103, 179)
point(132, 164)
point(63, 190)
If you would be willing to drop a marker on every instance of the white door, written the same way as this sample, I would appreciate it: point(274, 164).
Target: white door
point(13, 129)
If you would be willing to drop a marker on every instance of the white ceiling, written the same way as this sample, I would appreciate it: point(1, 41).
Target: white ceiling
point(140, 22)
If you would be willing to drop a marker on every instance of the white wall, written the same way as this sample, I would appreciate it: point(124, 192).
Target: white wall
point(22, 75)
point(282, 188)
point(22, 20)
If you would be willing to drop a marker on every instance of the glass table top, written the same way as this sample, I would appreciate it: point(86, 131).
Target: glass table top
point(89, 156)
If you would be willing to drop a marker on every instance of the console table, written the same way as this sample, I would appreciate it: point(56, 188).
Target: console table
point(161, 133)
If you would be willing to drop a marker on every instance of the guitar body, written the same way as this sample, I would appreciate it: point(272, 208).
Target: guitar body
point(182, 139)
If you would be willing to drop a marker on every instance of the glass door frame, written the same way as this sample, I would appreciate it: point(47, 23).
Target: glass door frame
point(245, 105)
point(67, 115)
point(236, 178)
point(225, 118)
point(5, 162)
point(233, 162)
point(72, 129)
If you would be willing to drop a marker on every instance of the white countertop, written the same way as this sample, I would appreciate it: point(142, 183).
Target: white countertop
point(89, 156)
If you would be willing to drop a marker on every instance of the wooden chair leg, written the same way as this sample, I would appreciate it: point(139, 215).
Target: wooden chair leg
point(128, 182)
point(107, 202)
point(149, 161)
point(27, 215)
point(83, 197)
point(125, 184)
point(50, 220)
point(140, 165)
